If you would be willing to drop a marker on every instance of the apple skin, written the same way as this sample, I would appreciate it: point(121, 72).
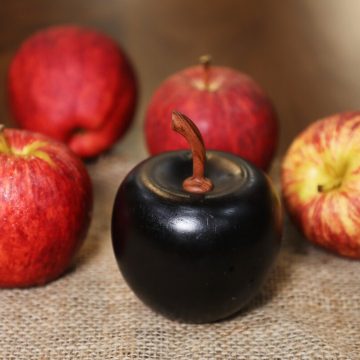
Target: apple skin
point(75, 85)
point(234, 105)
point(45, 208)
point(321, 183)
point(196, 258)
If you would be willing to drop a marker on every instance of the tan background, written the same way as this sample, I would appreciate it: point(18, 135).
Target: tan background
point(305, 53)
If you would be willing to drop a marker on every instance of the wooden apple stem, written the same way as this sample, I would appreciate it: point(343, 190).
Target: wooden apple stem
point(205, 61)
point(197, 183)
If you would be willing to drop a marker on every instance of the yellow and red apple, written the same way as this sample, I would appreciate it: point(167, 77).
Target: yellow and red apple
point(321, 183)
point(45, 208)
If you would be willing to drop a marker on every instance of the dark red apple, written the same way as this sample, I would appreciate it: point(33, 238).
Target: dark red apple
point(215, 98)
point(75, 85)
point(45, 208)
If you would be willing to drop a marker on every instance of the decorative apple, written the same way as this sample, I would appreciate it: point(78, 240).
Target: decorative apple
point(75, 85)
point(321, 183)
point(195, 250)
point(218, 98)
point(45, 208)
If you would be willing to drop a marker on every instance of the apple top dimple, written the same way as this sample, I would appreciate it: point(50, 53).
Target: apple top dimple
point(165, 173)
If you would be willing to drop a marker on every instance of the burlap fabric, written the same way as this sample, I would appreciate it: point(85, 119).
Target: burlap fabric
point(308, 309)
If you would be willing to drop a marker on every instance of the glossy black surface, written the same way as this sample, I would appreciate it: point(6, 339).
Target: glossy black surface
point(195, 258)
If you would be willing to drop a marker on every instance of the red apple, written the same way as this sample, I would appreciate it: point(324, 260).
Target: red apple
point(45, 208)
point(229, 108)
point(321, 183)
point(75, 85)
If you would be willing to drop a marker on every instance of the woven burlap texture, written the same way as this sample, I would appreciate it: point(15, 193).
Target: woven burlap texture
point(309, 307)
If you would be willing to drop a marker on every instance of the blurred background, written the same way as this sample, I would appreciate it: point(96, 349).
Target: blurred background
point(304, 53)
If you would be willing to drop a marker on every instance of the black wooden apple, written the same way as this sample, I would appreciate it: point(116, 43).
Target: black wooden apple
point(196, 250)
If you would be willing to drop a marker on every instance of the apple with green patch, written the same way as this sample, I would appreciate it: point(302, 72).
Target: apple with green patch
point(45, 208)
point(321, 183)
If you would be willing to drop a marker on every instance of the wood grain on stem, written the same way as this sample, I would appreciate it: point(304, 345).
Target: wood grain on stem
point(197, 183)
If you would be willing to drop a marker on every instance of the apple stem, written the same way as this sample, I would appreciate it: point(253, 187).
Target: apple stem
point(4, 146)
point(329, 187)
point(205, 61)
point(197, 183)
